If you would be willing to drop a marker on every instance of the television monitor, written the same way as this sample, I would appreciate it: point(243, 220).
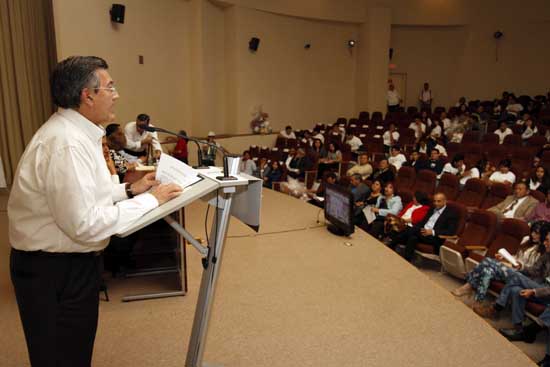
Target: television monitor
point(339, 210)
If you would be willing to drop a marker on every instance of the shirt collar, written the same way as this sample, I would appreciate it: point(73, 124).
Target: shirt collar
point(93, 131)
point(440, 210)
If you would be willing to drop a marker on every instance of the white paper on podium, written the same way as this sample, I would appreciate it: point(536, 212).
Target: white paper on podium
point(369, 214)
point(171, 170)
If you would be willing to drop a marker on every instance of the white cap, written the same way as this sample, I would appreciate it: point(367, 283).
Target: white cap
point(211, 133)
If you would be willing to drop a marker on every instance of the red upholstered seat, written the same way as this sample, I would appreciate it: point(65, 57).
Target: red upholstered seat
point(498, 192)
point(473, 193)
point(449, 184)
point(425, 181)
point(406, 177)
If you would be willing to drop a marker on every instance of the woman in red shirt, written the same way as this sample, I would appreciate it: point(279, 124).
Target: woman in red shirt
point(411, 214)
point(180, 151)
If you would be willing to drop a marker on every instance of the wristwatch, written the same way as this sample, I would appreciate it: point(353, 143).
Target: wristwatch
point(129, 190)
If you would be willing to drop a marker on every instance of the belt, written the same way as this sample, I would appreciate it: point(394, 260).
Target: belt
point(41, 253)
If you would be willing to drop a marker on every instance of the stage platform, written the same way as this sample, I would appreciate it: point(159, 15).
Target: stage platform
point(291, 295)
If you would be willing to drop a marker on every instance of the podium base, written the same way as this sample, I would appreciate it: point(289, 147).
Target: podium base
point(228, 178)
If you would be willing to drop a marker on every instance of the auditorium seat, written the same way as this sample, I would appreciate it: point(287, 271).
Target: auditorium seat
point(449, 184)
point(473, 193)
point(406, 197)
point(425, 181)
point(471, 137)
point(406, 177)
point(538, 195)
point(427, 251)
point(377, 117)
point(490, 138)
point(509, 236)
point(478, 234)
point(537, 141)
point(513, 140)
point(496, 194)
point(496, 153)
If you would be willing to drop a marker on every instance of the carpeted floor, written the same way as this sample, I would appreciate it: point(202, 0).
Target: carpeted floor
point(291, 295)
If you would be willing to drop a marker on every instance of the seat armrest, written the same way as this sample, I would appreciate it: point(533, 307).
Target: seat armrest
point(475, 247)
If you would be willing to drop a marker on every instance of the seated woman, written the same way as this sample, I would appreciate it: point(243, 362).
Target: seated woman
point(529, 129)
point(539, 180)
point(503, 174)
point(489, 269)
point(389, 203)
point(330, 162)
point(411, 214)
point(317, 149)
point(271, 174)
point(375, 193)
point(483, 169)
point(541, 211)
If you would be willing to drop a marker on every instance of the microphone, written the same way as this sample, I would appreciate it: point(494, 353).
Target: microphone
point(197, 141)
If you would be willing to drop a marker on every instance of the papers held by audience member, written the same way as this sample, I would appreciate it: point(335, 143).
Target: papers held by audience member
point(369, 214)
point(171, 170)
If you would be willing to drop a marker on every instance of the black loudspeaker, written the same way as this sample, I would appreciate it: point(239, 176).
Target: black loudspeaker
point(253, 44)
point(117, 13)
point(391, 53)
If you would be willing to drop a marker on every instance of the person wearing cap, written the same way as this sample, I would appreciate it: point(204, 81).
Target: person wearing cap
point(138, 139)
point(209, 151)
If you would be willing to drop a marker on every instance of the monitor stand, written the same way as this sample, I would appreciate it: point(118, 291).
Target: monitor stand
point(336, 230)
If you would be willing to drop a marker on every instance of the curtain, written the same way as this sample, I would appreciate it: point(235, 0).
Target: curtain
point(27, 57)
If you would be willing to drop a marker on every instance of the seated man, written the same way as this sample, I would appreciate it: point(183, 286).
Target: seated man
point(503, 174)
point(383, 173)
point(503, 131)
point(441, 220)
point(396, 158)
point(517, 206)
point(353, 141)
point(435, 163)
point(288, 133)
point(364, 168)
point(416, 161)
point(138, 140)
point(247, 164)
point(360, 193)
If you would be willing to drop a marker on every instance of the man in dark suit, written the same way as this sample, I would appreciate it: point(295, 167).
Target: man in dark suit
point(416, 161)
point(435, 163)
point(384, 172)
point(441, 220)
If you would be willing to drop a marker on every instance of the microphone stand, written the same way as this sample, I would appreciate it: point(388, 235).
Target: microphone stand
point(227, 157)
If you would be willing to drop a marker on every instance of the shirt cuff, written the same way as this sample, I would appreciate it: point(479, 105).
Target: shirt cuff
point(147, 201)
point(433, 233)
point(119, 192)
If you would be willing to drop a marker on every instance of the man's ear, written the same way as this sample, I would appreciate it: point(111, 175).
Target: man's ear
point(86, 97)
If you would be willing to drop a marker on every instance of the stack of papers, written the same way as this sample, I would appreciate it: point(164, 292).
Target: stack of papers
point(171, 170)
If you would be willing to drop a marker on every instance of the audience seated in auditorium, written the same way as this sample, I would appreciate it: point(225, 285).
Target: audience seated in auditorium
point(329, 178)
point(456, 166)
point(116, 141)
point(376, 189)
point(521, 121)
point(416, 161)
point(337, 132)
point(422, 146)
point(363, 168)
point(247, 165)
point(425, 118)
point(483, 170)
point(353, 141)
point(489, 269)
point(513, 108)
point(503, 174)
point(317, 149)
point(287, 133)
point(456, 135)
point(541, 211)
point(528, 283)
point(529, 129)
point(437, 131)
point(503, 131)
point(396, 158)
point(318, 135)
point(383, 173)
point(410, 215)
point(435, 163)
point(539, 180)
point(462, 103)
point(296, 167)
point(331, 162)
point(518, 206)
point(386, 204)
point(272, 174)
point(440, 221)
point(138, 140)
point(419, 128)
point(360, 193)
point(262, 168)
point(390, 137)
point(445, 121)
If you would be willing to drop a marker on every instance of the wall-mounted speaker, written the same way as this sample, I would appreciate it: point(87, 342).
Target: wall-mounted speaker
point(117, 13)
point(253, 44)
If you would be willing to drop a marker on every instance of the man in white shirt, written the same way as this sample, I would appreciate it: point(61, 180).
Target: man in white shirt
point(138, 140)
point(503, 131)
point(288, 133)
point(426, 97)
point(503, 174)
point(390, 137)
point(393, 99)
point(396, 158)
point(419, 128)
point(353, 141)
point(62, 212)
point(247, 165)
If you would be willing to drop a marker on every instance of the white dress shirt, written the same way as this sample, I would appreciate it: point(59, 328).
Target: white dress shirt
point(133, 138)
point(502, 134)
point(498, 176)
point(387, 140)
point(397, 161)
point(430, 224)
point(393, 97)
point(449, 168)
point(287, 136)
point(354, 143)
point(474, 173)
point(419, 130)
point(426, 95)
point(511, 209)
point(62, 199)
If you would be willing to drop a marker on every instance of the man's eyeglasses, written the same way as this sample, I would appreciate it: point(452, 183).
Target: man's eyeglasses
point(110, 89)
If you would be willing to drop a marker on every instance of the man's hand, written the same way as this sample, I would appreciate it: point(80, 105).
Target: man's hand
point(145, 183)
point(147, 140)
point(359, 203)
point(426, 232)
point(527, 293)
point(157, 154)
point(166, 192)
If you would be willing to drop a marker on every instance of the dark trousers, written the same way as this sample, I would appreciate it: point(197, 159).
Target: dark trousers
point(411, 237)
point(376, 228)
point(58, 299)
point(393, 108)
